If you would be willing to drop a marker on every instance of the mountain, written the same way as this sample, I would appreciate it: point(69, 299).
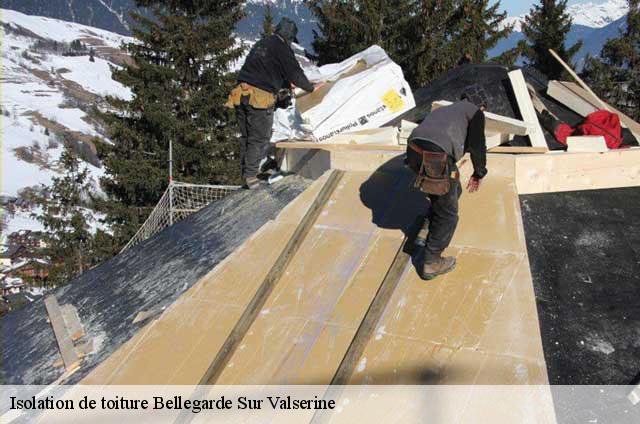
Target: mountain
point(594, 24)
point(48, 91)
point(111, 15)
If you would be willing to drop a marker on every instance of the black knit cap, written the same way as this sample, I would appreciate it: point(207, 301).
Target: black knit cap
point(288, 30)
point(475, 94)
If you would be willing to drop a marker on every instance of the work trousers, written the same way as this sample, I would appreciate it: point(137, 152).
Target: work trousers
point(443, 213)
point(256, 126)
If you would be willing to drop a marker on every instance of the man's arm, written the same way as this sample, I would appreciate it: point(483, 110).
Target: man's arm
point(477, 144)
point(293, 71)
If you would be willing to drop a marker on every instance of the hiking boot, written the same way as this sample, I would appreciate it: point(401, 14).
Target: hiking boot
point(251, 183)
point(437, 266)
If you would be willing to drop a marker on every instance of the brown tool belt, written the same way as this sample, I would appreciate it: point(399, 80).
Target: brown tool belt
point(435, 175)
point(258, 98)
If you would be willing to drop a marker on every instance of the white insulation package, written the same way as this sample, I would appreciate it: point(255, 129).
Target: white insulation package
point(364, 91)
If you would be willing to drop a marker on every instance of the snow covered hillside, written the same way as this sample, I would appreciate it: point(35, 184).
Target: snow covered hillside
point(48, 91)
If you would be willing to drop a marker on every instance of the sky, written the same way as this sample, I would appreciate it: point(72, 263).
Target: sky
point(519, 7)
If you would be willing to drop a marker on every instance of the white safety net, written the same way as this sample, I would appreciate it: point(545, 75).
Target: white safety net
point(177, 202)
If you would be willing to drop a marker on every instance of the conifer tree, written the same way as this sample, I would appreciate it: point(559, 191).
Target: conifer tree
point(341, 30)
point(425, 37)
point(480, 27)
point(66, 219)
point(615, 75)
point(433, 52)
point(545, 28)
point(268, 28)
point(180, 78)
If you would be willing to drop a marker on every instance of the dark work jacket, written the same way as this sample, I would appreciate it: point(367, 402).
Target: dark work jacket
point(271, 65)
point(456, 129)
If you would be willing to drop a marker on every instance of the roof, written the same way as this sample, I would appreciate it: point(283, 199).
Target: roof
point(147, 277)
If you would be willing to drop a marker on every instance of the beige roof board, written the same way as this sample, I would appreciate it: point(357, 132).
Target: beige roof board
point(309, 320)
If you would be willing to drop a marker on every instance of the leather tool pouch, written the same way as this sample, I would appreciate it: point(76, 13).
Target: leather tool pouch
point(258, 98)
point(434, 176)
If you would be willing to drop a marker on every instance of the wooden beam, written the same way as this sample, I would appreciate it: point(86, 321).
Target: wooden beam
point(338, 147)
point(561, 93)
point(72, 322)
point(527, 110)
point(575, 76)
point(586, 143)
point(65, 345)
point(275, 273)
point(518, 149)
point(577, 171)
point(385, 136)
point(494, 123)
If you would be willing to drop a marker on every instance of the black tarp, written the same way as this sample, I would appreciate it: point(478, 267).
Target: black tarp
point(584, 253)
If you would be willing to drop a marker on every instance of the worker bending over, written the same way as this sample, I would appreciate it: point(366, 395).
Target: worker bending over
point(433, 149)
point(270, 67)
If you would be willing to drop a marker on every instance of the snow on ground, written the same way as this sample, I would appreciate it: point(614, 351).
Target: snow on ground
point(53, 86)
point(58, 30)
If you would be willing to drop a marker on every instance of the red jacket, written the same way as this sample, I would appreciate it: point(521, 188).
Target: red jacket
point(601, 122)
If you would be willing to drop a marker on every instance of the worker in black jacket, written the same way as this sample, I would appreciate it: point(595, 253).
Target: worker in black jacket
point(270, 67)
point(433, 149)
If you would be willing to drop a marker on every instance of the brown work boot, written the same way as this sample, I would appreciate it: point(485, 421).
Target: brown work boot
point(437, 266)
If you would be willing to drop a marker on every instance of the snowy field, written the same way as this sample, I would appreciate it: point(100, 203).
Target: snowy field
point(40, 89)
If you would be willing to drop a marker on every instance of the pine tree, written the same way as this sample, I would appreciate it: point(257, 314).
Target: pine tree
point(180, 78)
point(545, 28)
point(615, 76)
point(66, 219)
point(341, 30)
point(480, 27)
point(433, 52)
point(268, 28)
point(425, 37)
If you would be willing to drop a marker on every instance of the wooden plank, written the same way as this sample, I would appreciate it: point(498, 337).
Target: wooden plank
point(559, 92)
point(385, 136)
point(586, 144)
point(518, 149)
point(527, 110)
point(494, 123)
point(72, 322)
point(575, 76)
point(338, 147)
point(277, 270)
point(577, 171)
point(67, 351)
